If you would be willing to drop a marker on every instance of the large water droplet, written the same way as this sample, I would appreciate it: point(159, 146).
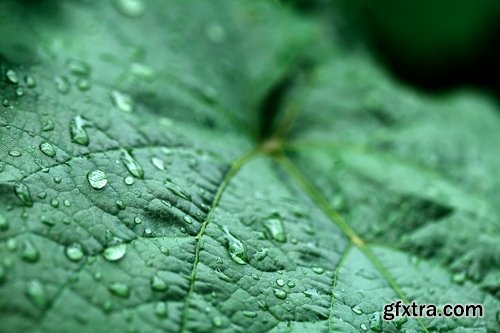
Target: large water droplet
point(74, 252)
point(97, 179)
point(235, 247)
point(15, 153)
point(78, 132)
point(130, 8)
point(47, 149)
point(122, 101)
point(36, 293)
point(29, 252)
point(132, 165)
point(158, 284)
point(280, 282)
point(280, 294)
point(115, 252)
point(12, 76)
point(158, 163)
point(275, 228)
point(23, 193)
point(119, 289)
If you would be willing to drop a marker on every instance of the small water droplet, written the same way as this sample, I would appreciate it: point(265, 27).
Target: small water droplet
point(262, 305)
point(363, 327)
point(20, 91)
point(177, 190)
point(23, 193)
point(158, 284)
point(161, 309)
point(158, 163)
point(47, 149)
point(12, 76)
point(74, 252)
point(4, 224)
point(148, 232)
point(29, 252)
point(78, 132)
point(217, 321)
point(290, 284)
point(122, 101)
point(356, 310)
point(57, 180)
point(67, 203)
point(15, 153)
point(48, 126)
point(129, 180)
point(97, 179)
point(280, 294)
point(235, 247)
point(120, 204)
point(30, 81)
point(54, 203)
point(78, 67)
point(318, 270)
point(132, 165)
point(83, 84)
point(115, 252)
point(130, 8)
point(249, 314)
point(62, 84)
point(280, 282)
point(275, 228)
point(187, 219)
point(12, 244)
point(119, 289)
point(376, 322)
point(137, 220)
point(142, 71)
point(216, 33)
point(36, 293)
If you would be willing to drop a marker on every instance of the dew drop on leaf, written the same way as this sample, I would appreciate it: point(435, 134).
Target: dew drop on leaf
point(23, 193)
point(129, 8)
point(356, 310)
point(120, 204)
point(30, 81)
point(132, 165)
point(187, 219)
point(137, 220)
point(129, 180)
point(119, 289)
point(57, 180)
point(217, 321)
point(29, 252)
point(97, 179)
point(280, 282)
point(290, 284)
point(48, 126)
point(177, 190)
point(275, 228)
point(15, 153)
point(20, 91)
point(54, 203)
point(78, 67)
point(249, 314)
point(459, 278)
point(158, 284)
point(115, 252)
point(363, 327)
point(47, 149)
point(36, 293)
point(280, 294)
point(235, 247)
point(161, 309)
point(74, 252)
point(62, 84)
point(122, 101)
point(318, 270)
point(158, 163)
point(67, 203)
point(12, 76)
point(376, 322)
point(78, 132)
point(4, 224)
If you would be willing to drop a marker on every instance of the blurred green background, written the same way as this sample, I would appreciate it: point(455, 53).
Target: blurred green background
point(434, 44)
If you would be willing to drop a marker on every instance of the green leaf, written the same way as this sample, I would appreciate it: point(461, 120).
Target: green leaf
point(135, 197)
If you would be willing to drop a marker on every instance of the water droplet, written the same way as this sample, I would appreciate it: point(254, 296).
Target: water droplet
point(376, 322)
point(187, 219)
point(12, 76)
point(15, 153)
point(78, 132)
point(158, 163)
point(129, 8)
point(115, 252)
point(363, 327)
point(97, 179)
point(4, 224)
point(120, 204)
point(216, 33)
point(57, 180)
point(29, 252)
point(356, 310)
point(54, 203)
point(217, 321)
point(48, 126)
point(122, 101)
point(129, 180)
point(30, 81)
point(62, 84)
point(142, 71)
point(290, 284)
point(459, 278)
point(280, 294)
point(5, 102)
point(249, 314)
point(83, 84)
point(235, 247)
point(3, 273)
point(20, 91)
point(132, 165)
point(47, 149)
point(399, 322)
point(12, 244)
point(23, 193)
point(280, 282)
point(158, 284)
point(318, 270)
point(137, 220)
point(36, 293)
point(161, 309)
point(74, 252)
point(275, 228)
point(78, 67)
point(177, 190)
point(148, 232)
point(67, 203)
point(119, 289)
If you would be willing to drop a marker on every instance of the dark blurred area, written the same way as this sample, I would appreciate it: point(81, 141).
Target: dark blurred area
point(435, 45)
